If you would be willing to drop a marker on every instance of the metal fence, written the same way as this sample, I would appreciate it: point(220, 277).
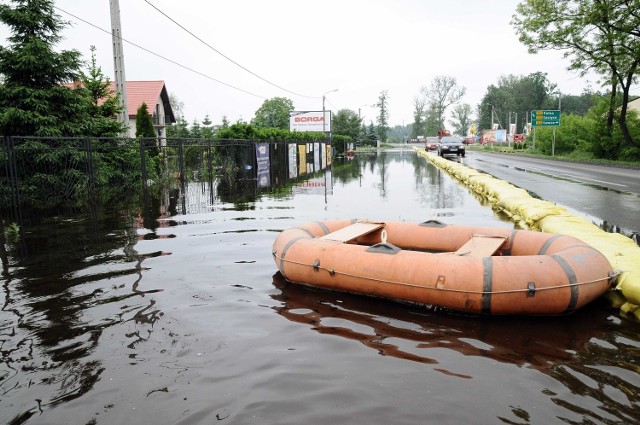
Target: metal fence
point(55, 174)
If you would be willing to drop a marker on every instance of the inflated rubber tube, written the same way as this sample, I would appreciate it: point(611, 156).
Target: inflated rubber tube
point(532, 273)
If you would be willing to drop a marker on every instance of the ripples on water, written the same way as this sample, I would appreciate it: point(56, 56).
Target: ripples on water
point(179, 318)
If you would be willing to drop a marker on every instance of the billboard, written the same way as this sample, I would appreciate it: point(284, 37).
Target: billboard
point(310, 121)
point(493, 136)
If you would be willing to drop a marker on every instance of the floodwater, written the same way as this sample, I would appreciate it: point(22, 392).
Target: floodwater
point(116, 317)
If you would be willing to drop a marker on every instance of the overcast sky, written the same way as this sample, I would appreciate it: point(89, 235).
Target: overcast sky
point(359, 47)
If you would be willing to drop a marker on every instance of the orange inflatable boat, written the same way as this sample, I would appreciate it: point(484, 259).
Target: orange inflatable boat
point(472, 269)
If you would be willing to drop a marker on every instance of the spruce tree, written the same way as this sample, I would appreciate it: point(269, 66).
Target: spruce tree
point(102, 102)
point(33, 101)
point(144, 122)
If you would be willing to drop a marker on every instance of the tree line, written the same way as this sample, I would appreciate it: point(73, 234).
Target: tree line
point(598, 35)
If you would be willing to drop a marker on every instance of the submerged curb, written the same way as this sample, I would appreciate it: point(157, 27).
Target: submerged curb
point(535, 214)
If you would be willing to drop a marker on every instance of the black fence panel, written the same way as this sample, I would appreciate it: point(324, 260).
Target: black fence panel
point(44, 176)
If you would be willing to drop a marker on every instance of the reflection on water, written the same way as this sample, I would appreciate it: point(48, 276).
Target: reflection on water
point(569, 348)
point(381, 325)
point(160, 292)
point(58, 300)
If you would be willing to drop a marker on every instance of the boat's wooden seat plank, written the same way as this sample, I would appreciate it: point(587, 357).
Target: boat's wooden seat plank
point(352, 232)
point(481, 246)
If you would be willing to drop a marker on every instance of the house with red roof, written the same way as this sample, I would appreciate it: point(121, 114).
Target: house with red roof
point(154, 94)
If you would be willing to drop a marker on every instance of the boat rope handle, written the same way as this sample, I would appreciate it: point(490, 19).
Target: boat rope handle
point(464, 291)
point(383, 236)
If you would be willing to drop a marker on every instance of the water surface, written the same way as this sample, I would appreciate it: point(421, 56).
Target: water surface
point(120, 317)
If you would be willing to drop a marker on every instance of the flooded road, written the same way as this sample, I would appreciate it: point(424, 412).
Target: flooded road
point(121, 317)
point(609, 196)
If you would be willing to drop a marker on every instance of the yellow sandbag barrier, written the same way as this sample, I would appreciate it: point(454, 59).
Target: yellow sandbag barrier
point(535, 214)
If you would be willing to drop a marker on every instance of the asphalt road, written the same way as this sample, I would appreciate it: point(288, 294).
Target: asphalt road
point(609, 196)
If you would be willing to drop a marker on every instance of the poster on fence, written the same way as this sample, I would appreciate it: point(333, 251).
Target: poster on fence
point(263, 166)
point(316, 156)
point(302, 160)
point(293, 160)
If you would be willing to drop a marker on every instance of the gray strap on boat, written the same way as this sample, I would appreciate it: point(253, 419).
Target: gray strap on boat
point(384, 248)
point(433, 223)
point(531, 289)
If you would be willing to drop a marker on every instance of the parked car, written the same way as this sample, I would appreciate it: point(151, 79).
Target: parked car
point(451, 145)
point(431, 144)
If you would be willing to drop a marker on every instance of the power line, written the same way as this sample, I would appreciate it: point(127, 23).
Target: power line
point(162, 57)
point(225, 56)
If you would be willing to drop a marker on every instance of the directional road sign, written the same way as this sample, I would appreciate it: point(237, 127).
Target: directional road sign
point(545, 117)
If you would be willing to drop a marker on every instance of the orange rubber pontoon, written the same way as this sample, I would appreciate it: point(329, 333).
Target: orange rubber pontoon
point(472, 269)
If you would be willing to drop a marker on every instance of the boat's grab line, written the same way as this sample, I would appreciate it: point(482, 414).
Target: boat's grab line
point(332, 272)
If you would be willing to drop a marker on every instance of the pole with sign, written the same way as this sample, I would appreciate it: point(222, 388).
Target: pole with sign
point(545, 118)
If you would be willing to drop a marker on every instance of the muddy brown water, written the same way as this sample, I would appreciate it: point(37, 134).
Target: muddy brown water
point(115, 318)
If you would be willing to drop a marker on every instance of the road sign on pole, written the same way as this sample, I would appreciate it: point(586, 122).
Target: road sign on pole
point(545, 117)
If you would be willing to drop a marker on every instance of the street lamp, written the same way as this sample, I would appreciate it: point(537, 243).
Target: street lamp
point(323, 120)
point(559, 101)
point(360, 107)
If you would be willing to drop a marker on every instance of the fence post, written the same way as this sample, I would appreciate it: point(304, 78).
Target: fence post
point(182, 177)
point(210, 164)
point(12, 177)
point(90, 170)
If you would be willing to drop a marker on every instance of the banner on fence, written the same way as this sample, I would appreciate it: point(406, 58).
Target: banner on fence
point(262, 160)
point(293, 160)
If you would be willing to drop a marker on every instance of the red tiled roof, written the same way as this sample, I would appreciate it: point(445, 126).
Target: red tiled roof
point(141, 91)
point(149, 92)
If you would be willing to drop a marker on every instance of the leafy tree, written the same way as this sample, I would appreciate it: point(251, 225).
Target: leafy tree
point(225, 122)
point(103, 103)
point(612, 146)
point(383, 116)
point(442, 93)
point(574, 104)
point(346, 123)
point(519, 94)
point(461, 119)
point(274, 113)
point(177, 106)
point(246, 131)
point(33, 101)
point(599, 35)
point(144, 122)
point(419, 116)
point(431, 124)
point(400, 133)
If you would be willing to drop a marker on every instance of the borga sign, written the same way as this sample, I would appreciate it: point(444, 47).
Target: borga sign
point(310, 121)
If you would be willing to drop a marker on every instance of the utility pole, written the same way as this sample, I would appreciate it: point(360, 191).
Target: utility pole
point(118, 64)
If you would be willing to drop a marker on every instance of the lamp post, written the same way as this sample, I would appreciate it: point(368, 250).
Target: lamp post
point(323, 120)
point(560, 101)
point(360, 108)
